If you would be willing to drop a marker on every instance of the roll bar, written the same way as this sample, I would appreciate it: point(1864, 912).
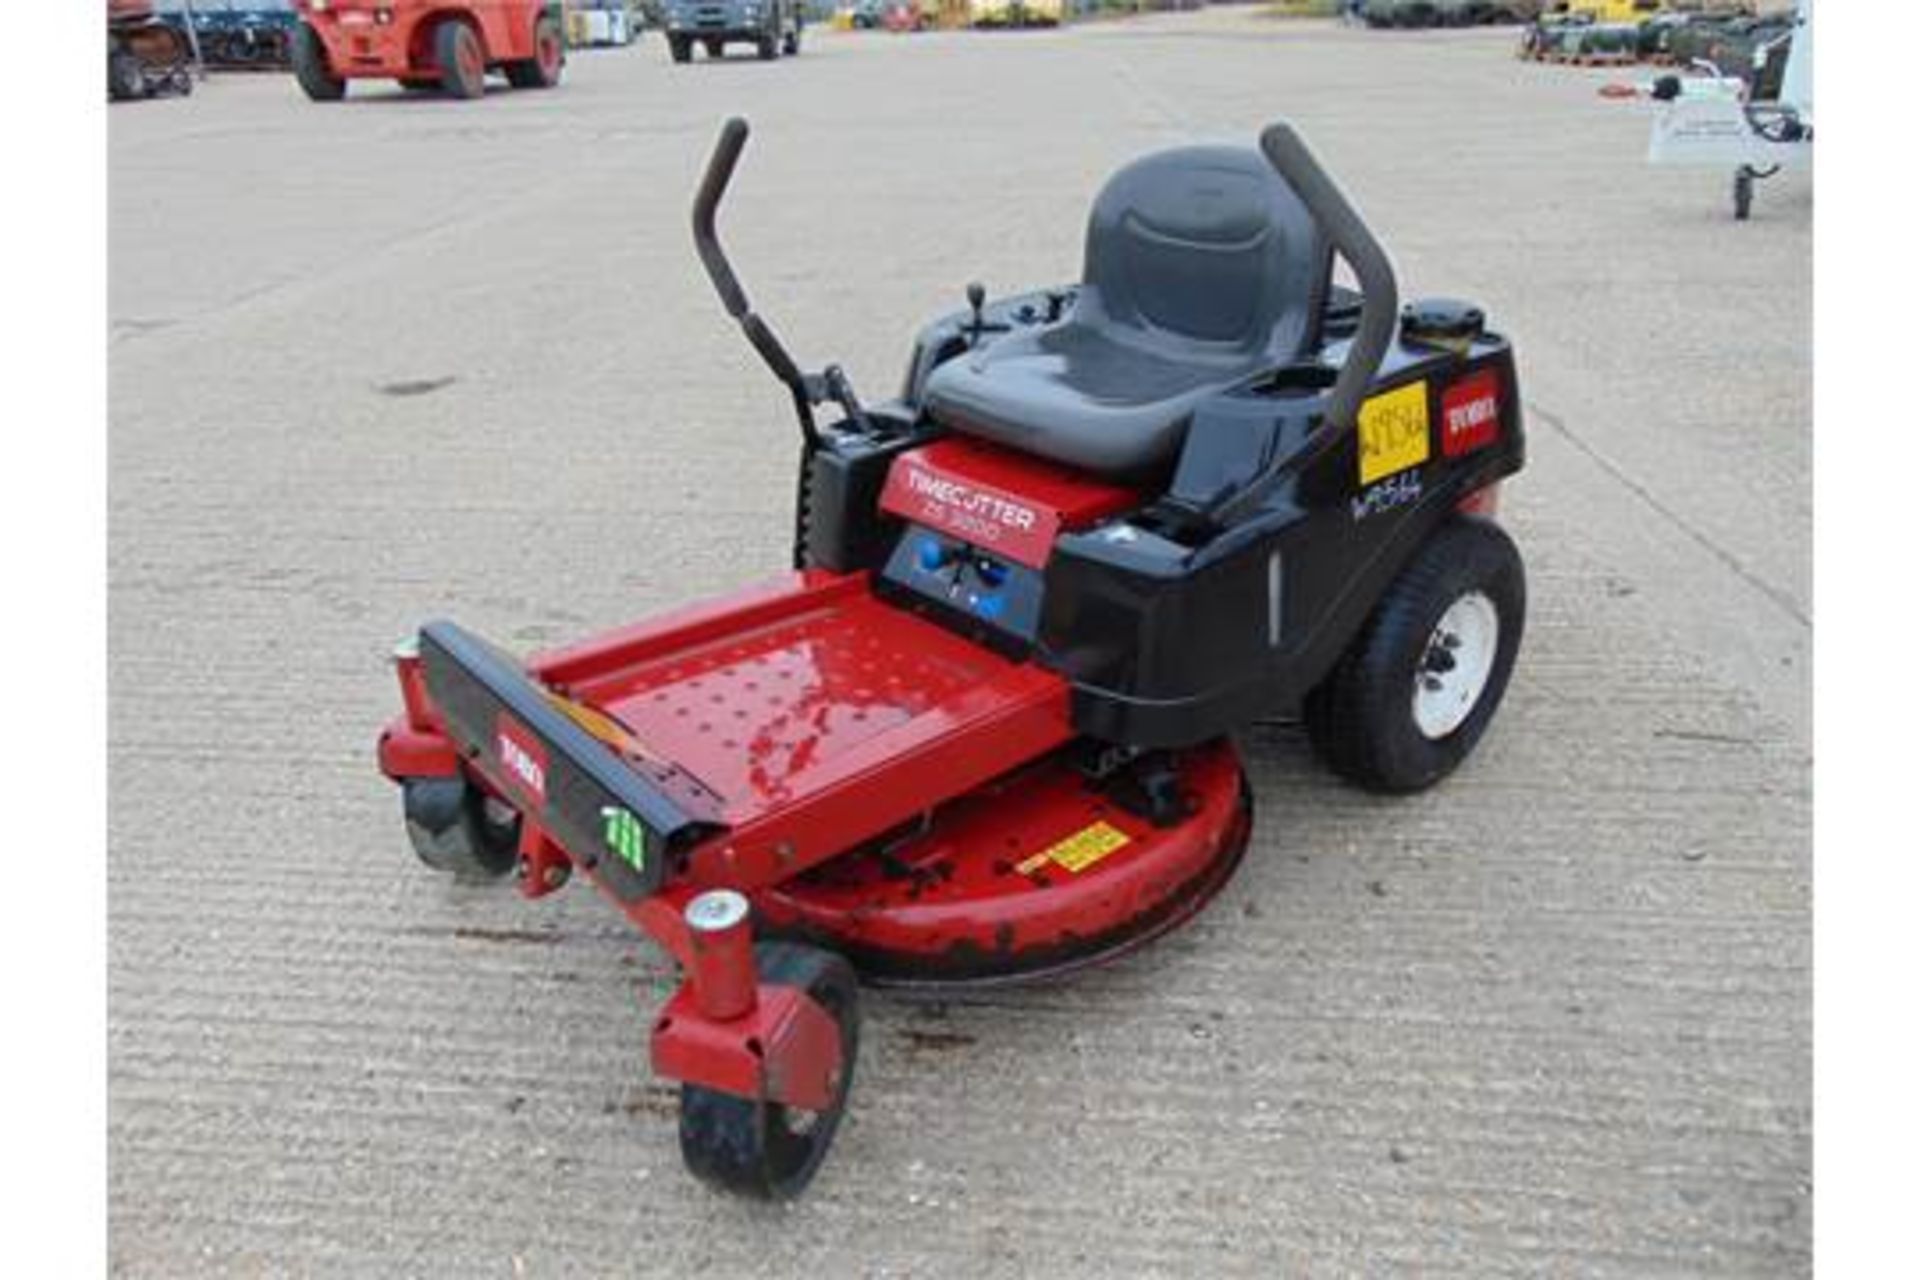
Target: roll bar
point(1287, 152)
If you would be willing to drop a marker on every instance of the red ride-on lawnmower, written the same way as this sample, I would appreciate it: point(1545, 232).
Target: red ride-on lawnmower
point(426, 44)
point(982, 732)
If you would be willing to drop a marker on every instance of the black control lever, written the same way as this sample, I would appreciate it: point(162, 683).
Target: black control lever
point(808, 389)
point(977, 300)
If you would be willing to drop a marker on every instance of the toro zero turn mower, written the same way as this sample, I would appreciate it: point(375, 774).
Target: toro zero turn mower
point(982, 732)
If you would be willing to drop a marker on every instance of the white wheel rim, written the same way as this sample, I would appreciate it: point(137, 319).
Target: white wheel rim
point(1454, 666)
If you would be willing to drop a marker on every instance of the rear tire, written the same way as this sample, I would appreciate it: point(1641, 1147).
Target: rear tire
point(769, 48)
point(716, 48)
point(1410, 697)
point(463, 63)
point(791, 47)
point(761, 1149)
point(310, 67)
point(542, 70)
point(681, 48)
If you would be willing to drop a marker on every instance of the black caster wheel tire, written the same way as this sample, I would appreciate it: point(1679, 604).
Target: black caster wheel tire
point(766, 1150)
point(463, 63)
point(310, 68)
point(1420, 683)
point(457, 828)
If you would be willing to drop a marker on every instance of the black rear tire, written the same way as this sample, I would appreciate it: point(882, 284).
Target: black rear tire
point(756, 1148)
point(310, 67)
point(1361, 718)
point(542, 70)
point(769, 48)
point(463, 63)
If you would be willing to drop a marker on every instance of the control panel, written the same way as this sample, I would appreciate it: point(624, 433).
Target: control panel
point(999, 594)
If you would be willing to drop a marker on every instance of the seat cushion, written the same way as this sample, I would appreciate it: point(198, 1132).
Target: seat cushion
point(1072, 393)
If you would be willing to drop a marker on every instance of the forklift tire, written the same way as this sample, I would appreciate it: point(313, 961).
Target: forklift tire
point(542, 70)
point(310, 67)
point(463, 63)
point(1421, 681)
point(125, 78)
point(760, 1149)
point(456, 828)
point(681, 48)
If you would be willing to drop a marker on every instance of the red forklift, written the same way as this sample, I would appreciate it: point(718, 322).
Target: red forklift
point(427, 45)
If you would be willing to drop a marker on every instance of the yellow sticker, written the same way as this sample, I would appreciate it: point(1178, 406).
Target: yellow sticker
point(1393, 431)
point(1080, 850)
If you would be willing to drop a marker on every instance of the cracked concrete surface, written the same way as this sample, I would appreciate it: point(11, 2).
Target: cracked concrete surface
point(406, 358)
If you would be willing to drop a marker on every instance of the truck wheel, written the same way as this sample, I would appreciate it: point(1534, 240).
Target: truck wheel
point(310, 67)
point(1417, 687)
point(681, 48)
point(715, 48)
point(766, 1150)
point(455, 827)
point(542, 70)
point(791, 47)
point(769, 48)
point(463, 64)
point(125, 78)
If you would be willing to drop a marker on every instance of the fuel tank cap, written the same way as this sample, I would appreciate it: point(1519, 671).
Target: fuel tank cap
point(1442, 322)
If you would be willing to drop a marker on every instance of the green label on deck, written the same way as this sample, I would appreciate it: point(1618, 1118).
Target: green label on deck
point(626, 837)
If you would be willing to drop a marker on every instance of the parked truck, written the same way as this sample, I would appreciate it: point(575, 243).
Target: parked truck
point(772, 27)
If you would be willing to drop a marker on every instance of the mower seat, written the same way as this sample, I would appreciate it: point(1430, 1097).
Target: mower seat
point(1203, 268)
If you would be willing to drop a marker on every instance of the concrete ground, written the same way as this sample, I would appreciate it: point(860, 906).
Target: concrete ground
point(405, 357)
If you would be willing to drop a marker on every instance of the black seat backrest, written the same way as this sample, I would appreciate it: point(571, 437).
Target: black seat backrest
point(1209, 245)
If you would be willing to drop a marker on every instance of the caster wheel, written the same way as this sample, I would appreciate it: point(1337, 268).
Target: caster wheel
point(766, 1150)
point(457, 828)
point(1418, 686)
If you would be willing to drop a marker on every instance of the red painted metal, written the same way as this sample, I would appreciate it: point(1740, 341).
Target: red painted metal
point(992, 498)
point(974, 894)
point(406, 752)
point(722, 970)
point(394, 38)
point(817, 714)
point(786, 1049)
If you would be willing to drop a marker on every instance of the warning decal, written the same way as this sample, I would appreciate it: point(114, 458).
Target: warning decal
point(1080, 850)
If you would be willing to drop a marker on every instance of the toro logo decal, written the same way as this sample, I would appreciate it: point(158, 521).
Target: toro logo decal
point(522, 757)
point(1470, 414)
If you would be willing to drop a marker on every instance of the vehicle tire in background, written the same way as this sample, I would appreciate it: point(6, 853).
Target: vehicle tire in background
point(769, 48)
point(681, 48)
point(463, 63)
point(542, 70)
point(791, 46)
point(125, 79)
point(310, 67)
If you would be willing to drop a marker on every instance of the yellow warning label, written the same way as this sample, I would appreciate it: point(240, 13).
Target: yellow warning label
point(1080, 850)
point(1393, 431)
